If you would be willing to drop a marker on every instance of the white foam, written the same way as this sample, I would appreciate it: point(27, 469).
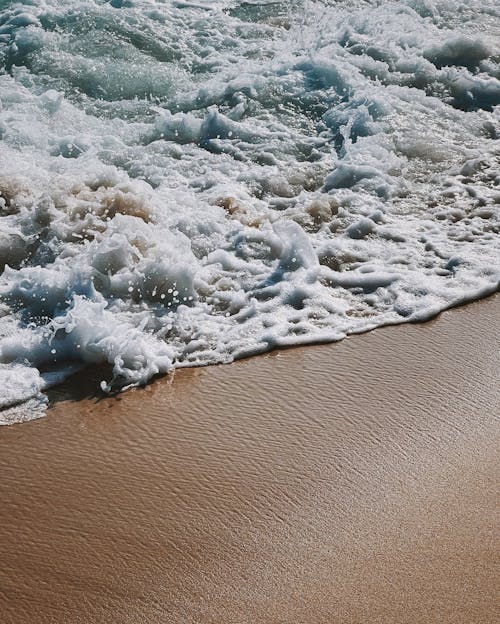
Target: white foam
point(187, 183)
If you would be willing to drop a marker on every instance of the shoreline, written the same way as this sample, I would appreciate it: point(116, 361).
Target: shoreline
point(347, 482)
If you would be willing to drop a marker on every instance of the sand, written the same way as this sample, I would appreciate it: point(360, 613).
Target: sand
point(346, 483)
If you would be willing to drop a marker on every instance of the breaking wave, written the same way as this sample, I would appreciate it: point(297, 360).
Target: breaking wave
point(184, 183)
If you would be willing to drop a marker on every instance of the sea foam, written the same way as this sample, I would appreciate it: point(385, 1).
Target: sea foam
point(185, 183)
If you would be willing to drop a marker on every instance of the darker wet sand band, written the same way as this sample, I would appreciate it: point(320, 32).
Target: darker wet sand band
point(348, 483)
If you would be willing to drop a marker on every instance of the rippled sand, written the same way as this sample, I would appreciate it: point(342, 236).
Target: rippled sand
point(349, 483)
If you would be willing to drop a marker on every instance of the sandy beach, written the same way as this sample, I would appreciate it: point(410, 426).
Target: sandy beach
point(345, 483)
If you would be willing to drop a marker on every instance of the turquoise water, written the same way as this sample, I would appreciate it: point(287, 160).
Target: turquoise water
point(184, 183)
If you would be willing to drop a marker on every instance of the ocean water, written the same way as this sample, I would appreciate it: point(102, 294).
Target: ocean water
point(189, 182)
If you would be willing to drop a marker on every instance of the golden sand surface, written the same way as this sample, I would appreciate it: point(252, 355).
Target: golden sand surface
point(347, 483)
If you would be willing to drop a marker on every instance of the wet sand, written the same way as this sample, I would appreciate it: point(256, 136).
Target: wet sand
point(347, 483)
